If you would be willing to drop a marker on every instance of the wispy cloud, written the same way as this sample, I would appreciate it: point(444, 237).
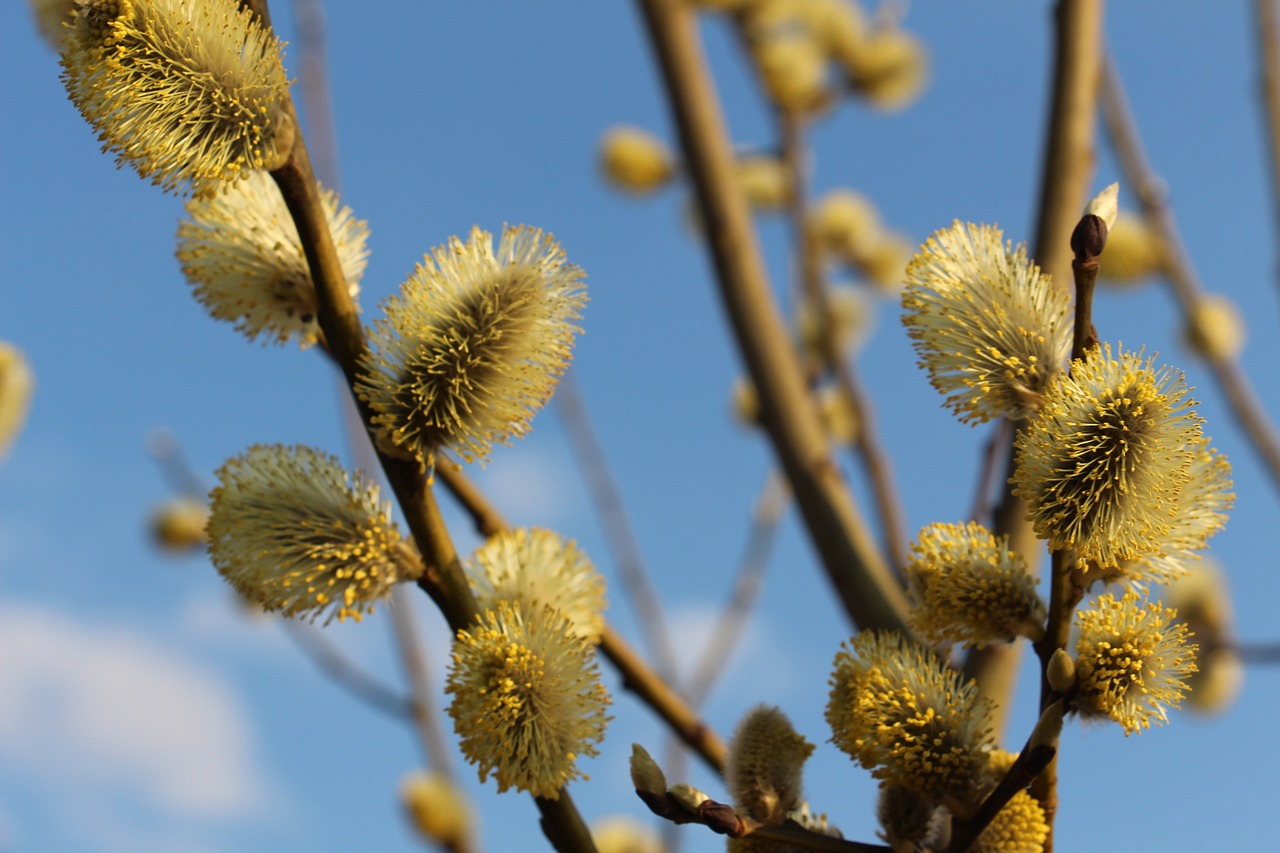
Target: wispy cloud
point(100, 712)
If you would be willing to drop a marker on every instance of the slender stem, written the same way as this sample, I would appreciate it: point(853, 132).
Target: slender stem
point(342, 672)
point(658, 695)
point(1067, 168)
point(871, 453)
point(1069, 142)
point(1267, 16)
point(746, 589)
point(563, 825)
point(417, 672)
point(339, 320)
point(637, 676)
point(606, 497)
point(1242, 399)
point(855, 567)
point(1266, 653)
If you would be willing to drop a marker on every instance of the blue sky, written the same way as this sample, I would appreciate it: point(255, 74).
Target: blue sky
point(140, 711)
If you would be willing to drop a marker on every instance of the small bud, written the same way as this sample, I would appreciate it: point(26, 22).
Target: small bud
point(437, 808)
point(16, 384)
point(765, 182)
point(1105, 205)
point(689, 797)
point(635, 160)
point(1089, 238)
point(646, 775)
point(720, 818)
point(177, 525)
point(766, 761)
point(1135, 251)
point(1215, 329)
point(1061, 672)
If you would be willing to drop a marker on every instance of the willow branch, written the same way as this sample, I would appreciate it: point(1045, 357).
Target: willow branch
point(606, 497)
point(1267, 17)
point(338, 318)
point(345, 674)
point(746, 589)
point(1064, 180)
point(1242, 399)
point(1069, 142)
point(858, 572)
point(871, 453)
point(637, 676)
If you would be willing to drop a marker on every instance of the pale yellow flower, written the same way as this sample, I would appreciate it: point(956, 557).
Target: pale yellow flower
point(909, 718)
point(988, 326)
point(527, 699)
point(536, 567)
point(474, 344)
point(764, 181)
point(635, 160)
point(241, 253)
point(967, 586)
point(1199, 512)
point(1019, 827)
point(17, 383)
point(178, 525)
point(292, 533)
point(1134, 251)
point(847, 225)
point(888, 67)
point(1132, 661)
point(766, 764)
point(437, 808)
point(623, 834)
point(1105, 462)
point(188, 92)
point(1215, 330)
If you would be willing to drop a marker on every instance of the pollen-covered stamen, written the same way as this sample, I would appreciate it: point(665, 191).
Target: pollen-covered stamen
point(474, 343)
point(989, 327)
point(1132, 661)
point(291, 533)
point(186, 91)
point(1104, 464)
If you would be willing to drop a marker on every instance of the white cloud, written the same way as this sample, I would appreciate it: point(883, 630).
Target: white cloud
point(101, 712)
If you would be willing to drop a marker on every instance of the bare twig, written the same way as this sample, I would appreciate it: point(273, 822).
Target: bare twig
point(637, 675)
point(746, 589)
point(1242, 399)
point(606, 497)
point(1267, 16)
point(345, 674)
point(855, 567)
point(872, 454)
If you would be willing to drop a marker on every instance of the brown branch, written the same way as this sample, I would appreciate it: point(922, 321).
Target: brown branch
point(606, 497)
point(1067, 169)
point(746, 589)
point(637, 675)
point(1267, 16)
point(344, 673)
point(858, 572)
point(1242, 399)
point(817, 291)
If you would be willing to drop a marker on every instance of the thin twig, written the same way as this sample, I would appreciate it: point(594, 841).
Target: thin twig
point(417, 672)
point(313, 85)
point(857, 570)
point(1067, 169)
point(871, 453)
point(1184, 282)
point(345, 674)
point(606, 497)
point(1267, 17)
point(443, 580)
point(637, 675)
point(746, 589)
point(1265, 653)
